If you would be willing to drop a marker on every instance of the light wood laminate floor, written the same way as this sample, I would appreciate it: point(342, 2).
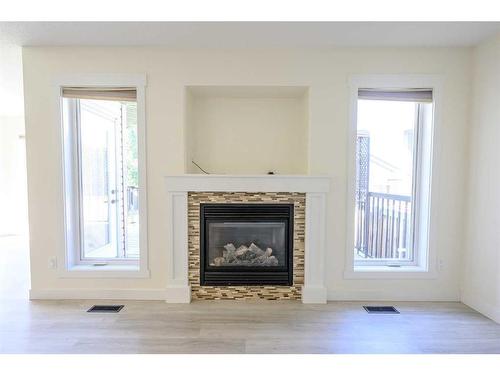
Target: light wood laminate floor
point(243, 327)
point(227, 327)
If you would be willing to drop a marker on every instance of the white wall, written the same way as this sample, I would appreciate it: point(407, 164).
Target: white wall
point(13, 194)
point(481, 282)
point(13, 216)
point(11, 81)
point(326, 74)
point(249, 135)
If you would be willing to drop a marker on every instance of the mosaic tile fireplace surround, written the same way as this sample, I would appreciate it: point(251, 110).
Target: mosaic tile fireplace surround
point(270, 291)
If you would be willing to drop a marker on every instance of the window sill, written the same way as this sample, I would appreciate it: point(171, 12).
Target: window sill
point(105, 272)
point(385, 272)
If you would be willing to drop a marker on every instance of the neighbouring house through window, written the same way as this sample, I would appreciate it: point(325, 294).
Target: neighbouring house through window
point(101, 152)
point(393, 155)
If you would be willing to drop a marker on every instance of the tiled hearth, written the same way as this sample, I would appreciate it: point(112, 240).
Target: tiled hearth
point(187, 192)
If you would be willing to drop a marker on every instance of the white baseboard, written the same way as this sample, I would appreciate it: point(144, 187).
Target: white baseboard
point(314, 294)
point(370, 295)
point(482, 306)
point(181, 294)
point(178, 294)
point(125, 294)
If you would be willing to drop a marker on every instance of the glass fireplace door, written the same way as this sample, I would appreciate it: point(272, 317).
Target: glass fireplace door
point(246, 244)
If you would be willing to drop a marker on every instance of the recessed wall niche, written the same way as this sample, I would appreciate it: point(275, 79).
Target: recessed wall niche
point(247, 129)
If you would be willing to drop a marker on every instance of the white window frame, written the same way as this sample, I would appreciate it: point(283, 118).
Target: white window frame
point(71, 265)
point(424, 233)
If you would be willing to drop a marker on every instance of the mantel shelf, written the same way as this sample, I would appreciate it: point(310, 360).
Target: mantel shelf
point(248, 183)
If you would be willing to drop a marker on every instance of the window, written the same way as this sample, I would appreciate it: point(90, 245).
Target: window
point(392, 178)
point(103, 177)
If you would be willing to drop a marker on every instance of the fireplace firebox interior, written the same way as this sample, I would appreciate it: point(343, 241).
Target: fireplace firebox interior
point(246, 244)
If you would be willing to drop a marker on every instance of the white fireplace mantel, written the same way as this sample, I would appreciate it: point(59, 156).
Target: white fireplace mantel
point(315, 188)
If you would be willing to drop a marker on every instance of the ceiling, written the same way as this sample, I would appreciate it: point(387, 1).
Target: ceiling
point(221, 35)
point(248, 34)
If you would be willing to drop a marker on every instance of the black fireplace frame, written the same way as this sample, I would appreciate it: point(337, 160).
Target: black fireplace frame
point(246, 275)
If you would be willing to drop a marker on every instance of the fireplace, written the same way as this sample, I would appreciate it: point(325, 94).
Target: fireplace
point(246, 244)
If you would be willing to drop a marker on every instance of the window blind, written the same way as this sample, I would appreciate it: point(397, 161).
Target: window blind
point(402, 95)
point(127, 94)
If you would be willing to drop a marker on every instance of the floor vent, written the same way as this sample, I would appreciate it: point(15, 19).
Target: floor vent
point(381, 310)
point(105, 308)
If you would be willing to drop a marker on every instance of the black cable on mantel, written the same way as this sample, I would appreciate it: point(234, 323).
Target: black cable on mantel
point(204, 171)
point(200, 168)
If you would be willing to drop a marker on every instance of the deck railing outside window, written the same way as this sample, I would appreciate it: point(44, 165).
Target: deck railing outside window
point(382, 226)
